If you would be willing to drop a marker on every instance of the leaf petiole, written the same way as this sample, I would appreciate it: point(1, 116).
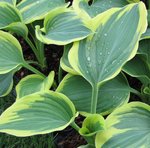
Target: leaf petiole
point(94, 98)
point(32, 47)
point(60, 74)
point(75, 126)
point(34, 70)
point(134, 91)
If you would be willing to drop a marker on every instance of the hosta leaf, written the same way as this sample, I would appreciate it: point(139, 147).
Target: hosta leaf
point(34, 83)
point(62, 27)
point(148, 17)
point(137, 67)
point(39, 113)
point(133, 1)
point(92, 125)
point(86, 146)
point(8, 15)
point(97, 6)
point(32, 10)
point(144, 49)
point(64, 62)
point(127, 126)
point(9, 1)
point(101, 56)
point(19, 28)
point(146, 93)
point(11, 20)
point(111, 95)
point(6, 83)
point(11, 55)
point(146, 90)
point(146, 35)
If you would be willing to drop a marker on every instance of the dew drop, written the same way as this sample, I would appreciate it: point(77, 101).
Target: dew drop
point(37, 2)
point(87, 71)
point(113, 61)
point(105, 70)
point(88, 58)
point(100, 53)
point(105, 34)
point(108, 53)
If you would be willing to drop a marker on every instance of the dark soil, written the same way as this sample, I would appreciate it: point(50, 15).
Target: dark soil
point(69, 139)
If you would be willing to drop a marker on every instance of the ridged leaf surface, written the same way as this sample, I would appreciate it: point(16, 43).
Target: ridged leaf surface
point(9, 1)
point(32, 10)
point(111, 95)
point(39, 113)
point(62, 27)
point(6, 83)
point(101, 56)
point(34, 83)
point(128, 126)
point(8, 14)
point(11, 55)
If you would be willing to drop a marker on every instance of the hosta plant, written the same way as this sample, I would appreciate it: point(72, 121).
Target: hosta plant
point(101, 45)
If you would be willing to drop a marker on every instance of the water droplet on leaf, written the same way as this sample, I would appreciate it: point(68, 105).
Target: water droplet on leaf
point(105, 34)
point(113, 61)
point(88, 58)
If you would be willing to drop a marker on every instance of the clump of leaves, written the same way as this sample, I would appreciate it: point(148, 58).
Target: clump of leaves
point(101, 41)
